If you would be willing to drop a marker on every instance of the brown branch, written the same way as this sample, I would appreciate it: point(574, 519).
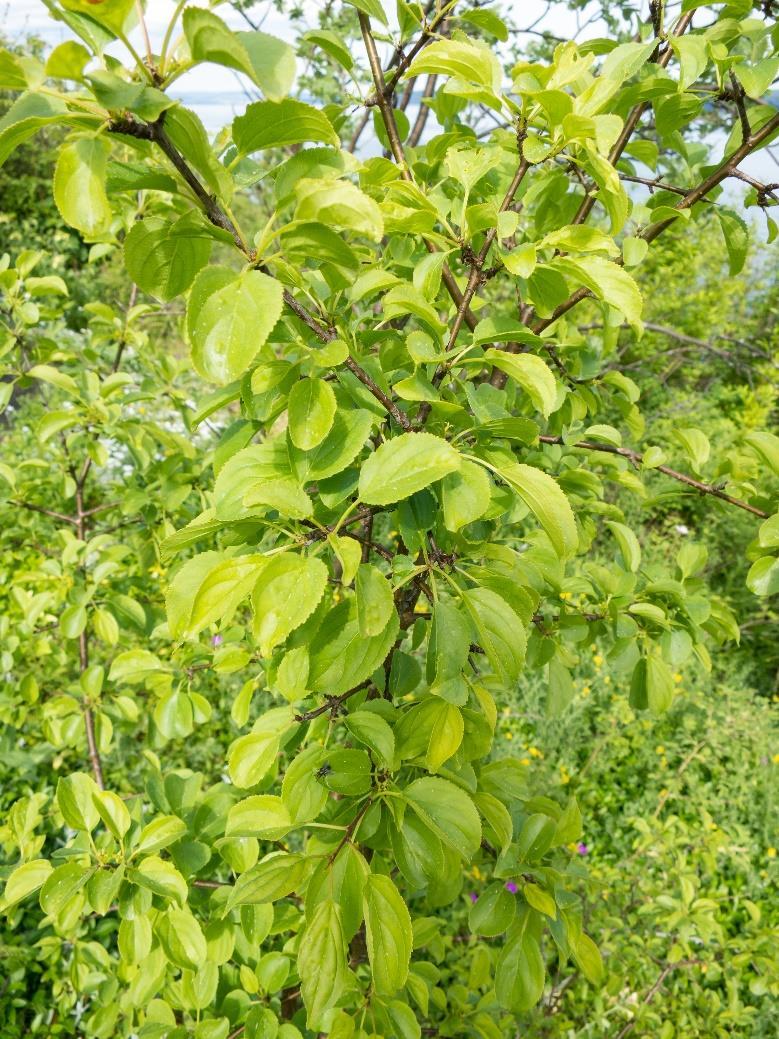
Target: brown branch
point(332, 704)
point(738, 97)
point(390, 406)
point(350, 831)
point(637, 458)
point(44, 512)
point(724, 170)
point(424, 111)
point(669, 967)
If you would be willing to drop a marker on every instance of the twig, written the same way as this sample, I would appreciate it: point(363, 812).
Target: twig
point(44, 512)
point(637, 458)
point(667, 969)
point(332, 703)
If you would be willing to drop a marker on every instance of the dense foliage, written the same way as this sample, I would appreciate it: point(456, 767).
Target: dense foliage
point(466, 455)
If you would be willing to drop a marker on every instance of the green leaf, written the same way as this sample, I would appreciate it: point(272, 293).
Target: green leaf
point(164, 259)
point(388, 934)
point(448, 811)
point(767, 446)
point(264, 816)
point(519, 977)
point(272, 61)
point(24, 880)
point(499, 632)
point(162, 878)
point(79, 186)
point(493, 912)
point(322, 962)
point(222, 590)
point(160, 833)
point(312, 408)
point(465, 495)
point(372, 8)
point(341, 205)
point(693, 54)
point(182, 939)
point(735, 231)
point(587, 956)
point(331, 44)
point(404, 465)
point(607, 281)
point(286, 594)
point(628, 544)
point(763, 576)
point(18, 72)
point(62, 886)
point(113, 811)
point(652, 685)
point(233, 323)
point(532, 374)
point(250, 757)
point(338, 450)
point(275, 877)
point(375, 604)
point(372, 730)
point(28, 114)
point(547, 502)
point(470, 62)
point(113, 14)
point(211, 40)
point(348, 772)
point(76, 800)
point(342, 658)
point(446, 735)
point(277, 124)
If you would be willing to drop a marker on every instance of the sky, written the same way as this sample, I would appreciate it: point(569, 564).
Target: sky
point(218, 94)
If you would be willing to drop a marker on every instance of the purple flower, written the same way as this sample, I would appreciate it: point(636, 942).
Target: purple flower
point(511, 886)
point(217, 640)
point(582, 848)
point(474, 897)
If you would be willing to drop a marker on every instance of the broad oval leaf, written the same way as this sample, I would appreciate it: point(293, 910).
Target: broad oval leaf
point(404, 465)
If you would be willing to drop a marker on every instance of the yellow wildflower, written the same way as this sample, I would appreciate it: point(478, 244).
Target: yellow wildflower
point(524, 761)
point(597, 660)
point(771, 853)
point(607, 681)
point(509, 735)
point(659, 750)
point(535, 753)
point(677, 678)
point(775, 759)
